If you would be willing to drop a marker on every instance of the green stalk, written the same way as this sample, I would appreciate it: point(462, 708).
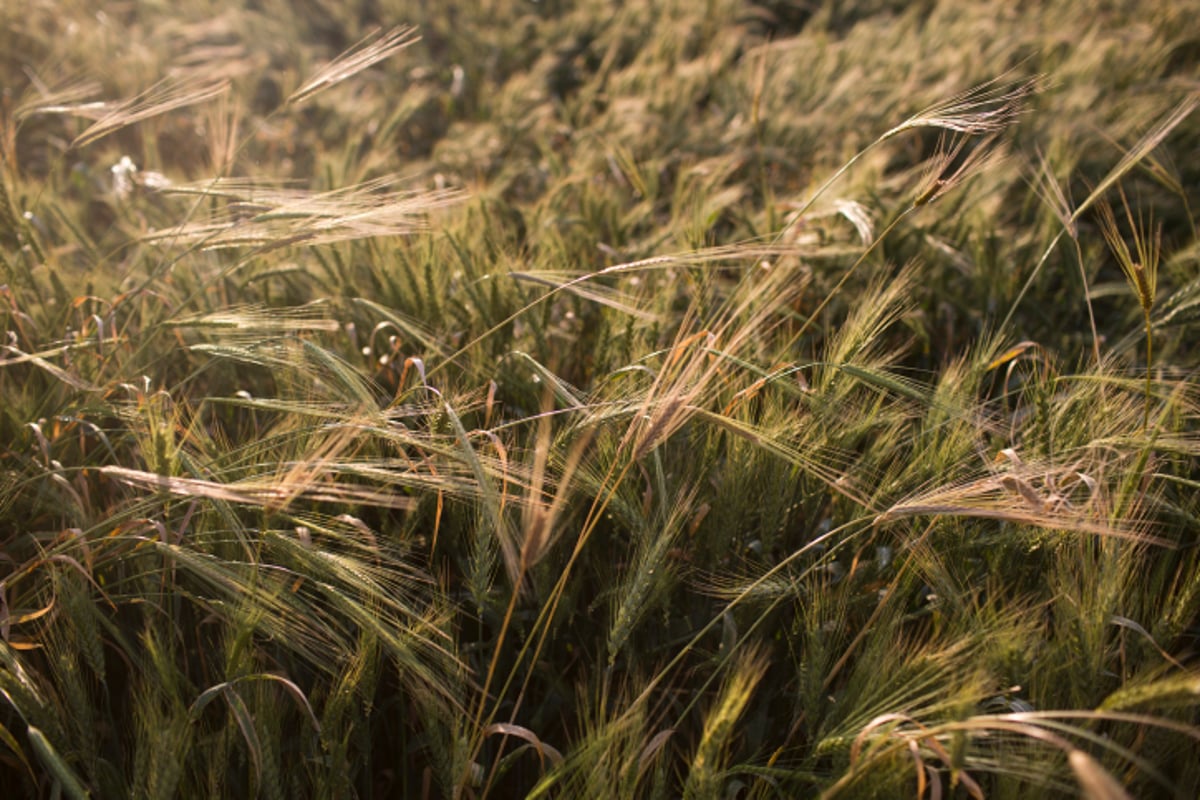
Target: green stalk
point(1149, 357)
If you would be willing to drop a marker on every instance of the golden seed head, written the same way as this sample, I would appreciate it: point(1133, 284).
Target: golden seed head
point(1145, 292)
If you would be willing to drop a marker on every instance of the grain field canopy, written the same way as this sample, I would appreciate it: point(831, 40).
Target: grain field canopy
point(560, 399)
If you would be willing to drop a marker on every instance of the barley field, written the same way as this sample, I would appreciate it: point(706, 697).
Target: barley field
point(597, 399)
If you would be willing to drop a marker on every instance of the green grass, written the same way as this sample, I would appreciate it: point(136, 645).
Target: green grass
point(704, 400)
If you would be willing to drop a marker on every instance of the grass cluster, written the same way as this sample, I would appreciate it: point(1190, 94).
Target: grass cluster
point(586, 399)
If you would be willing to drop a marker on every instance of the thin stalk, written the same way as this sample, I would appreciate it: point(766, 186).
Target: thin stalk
point(1149, 361)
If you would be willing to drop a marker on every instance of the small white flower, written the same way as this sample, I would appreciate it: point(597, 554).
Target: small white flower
point(122, 173)
point(155, 180)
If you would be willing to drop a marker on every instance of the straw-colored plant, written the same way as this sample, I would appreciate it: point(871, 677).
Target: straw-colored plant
point(682, 400)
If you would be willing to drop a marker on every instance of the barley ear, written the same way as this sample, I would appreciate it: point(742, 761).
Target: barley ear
point(370, 50)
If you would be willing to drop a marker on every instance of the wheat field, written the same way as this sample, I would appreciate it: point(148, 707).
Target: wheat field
point(587, 399)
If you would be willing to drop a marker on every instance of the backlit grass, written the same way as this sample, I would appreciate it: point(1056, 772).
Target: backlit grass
point(564, 399)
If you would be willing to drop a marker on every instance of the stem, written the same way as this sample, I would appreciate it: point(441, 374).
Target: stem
point(1149, 357)
point(1088, 301)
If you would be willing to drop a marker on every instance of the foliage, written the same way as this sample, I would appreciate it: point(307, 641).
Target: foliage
point(577, 399)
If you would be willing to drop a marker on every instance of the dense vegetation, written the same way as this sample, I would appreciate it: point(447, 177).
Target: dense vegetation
point(585, 399)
